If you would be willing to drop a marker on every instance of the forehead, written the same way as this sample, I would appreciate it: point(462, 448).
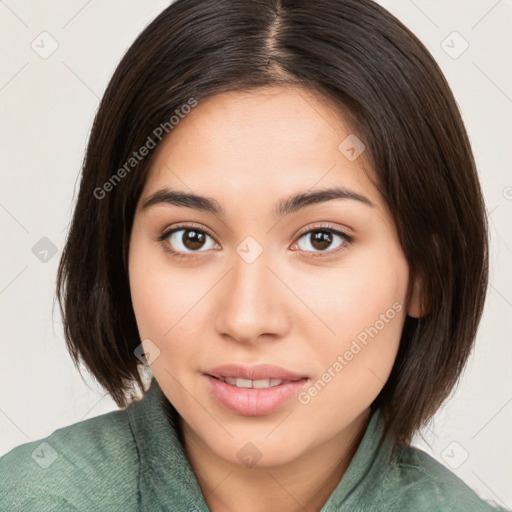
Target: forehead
point(268, 141)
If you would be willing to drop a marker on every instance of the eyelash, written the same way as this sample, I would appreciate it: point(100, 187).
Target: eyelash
point(348, 239)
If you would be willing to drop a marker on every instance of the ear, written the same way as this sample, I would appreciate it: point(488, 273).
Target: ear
point(415, 306)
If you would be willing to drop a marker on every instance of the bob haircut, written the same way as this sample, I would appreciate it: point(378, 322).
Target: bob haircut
point(363, 61)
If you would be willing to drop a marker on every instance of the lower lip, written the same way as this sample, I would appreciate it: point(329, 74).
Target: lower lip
point(251, 401)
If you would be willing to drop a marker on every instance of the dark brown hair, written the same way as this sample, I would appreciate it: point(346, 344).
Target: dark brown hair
point(354, 54)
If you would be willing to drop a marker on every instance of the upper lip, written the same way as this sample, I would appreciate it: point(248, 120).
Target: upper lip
point(254, 372)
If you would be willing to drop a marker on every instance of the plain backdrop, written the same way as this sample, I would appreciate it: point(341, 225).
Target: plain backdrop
point(56, 60)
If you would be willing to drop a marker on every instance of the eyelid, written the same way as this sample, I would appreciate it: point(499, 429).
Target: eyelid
point(168, 231)
point(327, 226)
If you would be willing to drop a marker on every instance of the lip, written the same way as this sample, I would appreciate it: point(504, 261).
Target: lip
point(254, 401)
point(254, 372)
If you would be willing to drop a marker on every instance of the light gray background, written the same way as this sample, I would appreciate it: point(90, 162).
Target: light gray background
point(47, 106)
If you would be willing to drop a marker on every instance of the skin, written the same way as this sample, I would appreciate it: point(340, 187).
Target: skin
point(289, 308)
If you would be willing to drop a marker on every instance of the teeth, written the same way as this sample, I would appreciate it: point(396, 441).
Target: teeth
point(243, 383)
point(263, 383)
point(247, 383)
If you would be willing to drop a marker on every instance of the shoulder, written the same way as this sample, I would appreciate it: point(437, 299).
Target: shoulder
point(72, 466)
point(421, 483)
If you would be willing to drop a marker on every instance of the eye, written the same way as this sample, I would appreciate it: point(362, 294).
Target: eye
point(185, 240)
point(322, 238)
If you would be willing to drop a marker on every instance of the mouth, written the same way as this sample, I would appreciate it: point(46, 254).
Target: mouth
point(253, 390)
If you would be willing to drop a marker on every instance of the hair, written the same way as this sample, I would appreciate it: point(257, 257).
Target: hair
point(354, 54)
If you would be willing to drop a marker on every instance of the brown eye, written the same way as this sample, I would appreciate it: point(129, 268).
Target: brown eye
point(189, 239)
point(320, 240)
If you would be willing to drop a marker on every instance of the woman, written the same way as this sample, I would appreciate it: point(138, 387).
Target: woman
point(280, 215)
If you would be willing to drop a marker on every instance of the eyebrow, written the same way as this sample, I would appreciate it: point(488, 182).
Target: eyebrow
point(290, 205)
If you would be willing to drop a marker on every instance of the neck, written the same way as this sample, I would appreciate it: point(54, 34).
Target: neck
point(304, 483)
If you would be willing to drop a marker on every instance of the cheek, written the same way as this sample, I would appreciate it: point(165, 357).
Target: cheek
point(353, 296)
point(157, 291)
point(363, 307)
point(146, 292)
point(165, 301)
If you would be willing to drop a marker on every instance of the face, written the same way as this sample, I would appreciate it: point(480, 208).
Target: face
point(316, 288)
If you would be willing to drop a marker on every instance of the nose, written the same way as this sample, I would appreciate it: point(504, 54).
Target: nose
point(251, 302)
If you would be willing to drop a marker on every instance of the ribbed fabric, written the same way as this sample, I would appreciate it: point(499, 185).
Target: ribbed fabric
point(132, 460)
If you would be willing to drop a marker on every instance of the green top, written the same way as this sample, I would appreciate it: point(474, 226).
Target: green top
point(132, 460)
